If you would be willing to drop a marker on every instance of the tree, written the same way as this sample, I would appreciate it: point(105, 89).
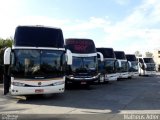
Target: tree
point(138, 54)
point(149, 54)
point(4, 43)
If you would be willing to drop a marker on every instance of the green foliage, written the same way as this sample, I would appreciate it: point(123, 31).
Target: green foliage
point(4, 43)
point(138, 54)
point(149, 54)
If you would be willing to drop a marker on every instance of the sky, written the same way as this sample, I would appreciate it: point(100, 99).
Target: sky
point(125, 25)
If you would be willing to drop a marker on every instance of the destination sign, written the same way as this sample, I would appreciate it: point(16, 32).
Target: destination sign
point(80, 45)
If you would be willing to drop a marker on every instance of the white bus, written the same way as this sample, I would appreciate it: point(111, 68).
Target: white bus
point(107, 67)
point(132, 65)
point(36, 62)
point(146, 66)
point(122, 69)
point(84, 69)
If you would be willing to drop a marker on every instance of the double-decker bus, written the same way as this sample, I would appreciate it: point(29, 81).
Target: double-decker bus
point(133, 65)
point(84, 68)
point(146, 66)
point(107, 67)
point(36, 62)
point(122, 68)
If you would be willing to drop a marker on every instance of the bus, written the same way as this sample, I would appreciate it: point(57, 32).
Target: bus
point(84, 68)
point(133, 65)
point(107, 67)
point(146, 66)
point(36, 62)
point(122, 68)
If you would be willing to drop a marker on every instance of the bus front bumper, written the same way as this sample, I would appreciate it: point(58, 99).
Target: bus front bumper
point(150, 72)
point(111, 77)
point(123, 75)
point(133, 74)
point(82, 79)
point(20, 90)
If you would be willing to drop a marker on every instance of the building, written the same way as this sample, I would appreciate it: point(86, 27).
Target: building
point(156, 57)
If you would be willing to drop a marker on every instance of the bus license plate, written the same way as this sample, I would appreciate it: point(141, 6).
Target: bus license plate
point(39, 90)
point(83, 83)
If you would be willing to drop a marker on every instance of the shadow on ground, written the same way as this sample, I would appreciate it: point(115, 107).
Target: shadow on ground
point(142, 93)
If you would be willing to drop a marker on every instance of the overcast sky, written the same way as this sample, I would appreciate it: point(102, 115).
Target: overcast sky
point(127, 25)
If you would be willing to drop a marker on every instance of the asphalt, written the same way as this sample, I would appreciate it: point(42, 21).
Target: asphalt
point(137, 98)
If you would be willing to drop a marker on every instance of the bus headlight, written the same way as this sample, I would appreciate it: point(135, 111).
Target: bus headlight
point(70, 77)
point(18, 84)
point(58, 83)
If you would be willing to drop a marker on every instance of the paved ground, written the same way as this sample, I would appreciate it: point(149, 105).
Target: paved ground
point(115, 101)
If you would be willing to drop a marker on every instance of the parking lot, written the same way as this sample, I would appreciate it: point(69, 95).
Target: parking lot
point(112, 101)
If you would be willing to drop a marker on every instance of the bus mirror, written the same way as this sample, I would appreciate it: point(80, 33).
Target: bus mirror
point(101, 56)
point(130, 64)
point(69, 57)
point(119, 63)
point(7, 53)
point(145, 66)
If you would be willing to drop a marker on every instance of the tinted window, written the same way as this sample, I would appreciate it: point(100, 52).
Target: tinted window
point(148, 60)
point(124, 66)
point(109, 66)
point(80, 45)
point(134, 66)
point(120, 55)
point(84, 62)
point(38, 37)
point(37, 63)
point(107, 52)
point(131, 57)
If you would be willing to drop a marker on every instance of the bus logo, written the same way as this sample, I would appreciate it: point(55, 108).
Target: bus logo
point(39, 83)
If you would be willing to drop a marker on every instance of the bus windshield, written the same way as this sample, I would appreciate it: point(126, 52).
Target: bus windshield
point(134, 66)
point(109, 66)
point(120, 55)
point(131, 57)
point(37, 63)
point(124, 66)
point(88, 63)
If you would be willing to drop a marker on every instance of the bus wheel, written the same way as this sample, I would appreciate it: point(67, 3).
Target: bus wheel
point(130, 77)
point(87, 86)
